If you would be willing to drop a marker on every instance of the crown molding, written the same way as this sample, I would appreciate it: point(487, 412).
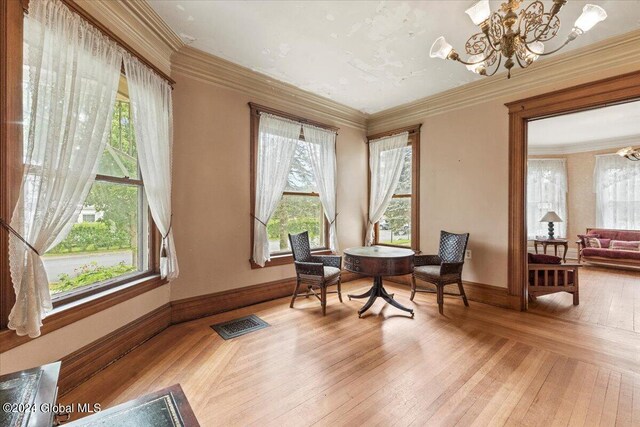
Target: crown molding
point(139, 25)
point(584, 147)
point(610, 57)
point(214, 70)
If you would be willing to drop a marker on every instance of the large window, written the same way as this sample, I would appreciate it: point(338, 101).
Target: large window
point(299, 209)
point(546, 191)
point(399, 225)
point(109, 241)
point(617, 187)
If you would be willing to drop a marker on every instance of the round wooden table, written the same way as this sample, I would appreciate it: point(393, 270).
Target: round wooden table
point(378, 261)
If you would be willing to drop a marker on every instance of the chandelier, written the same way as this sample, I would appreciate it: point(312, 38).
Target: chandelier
point(630, 153)
point(514, 37)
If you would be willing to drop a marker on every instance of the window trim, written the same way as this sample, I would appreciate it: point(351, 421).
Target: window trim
point(414, 141)
point(255, 110)
point(11, 25)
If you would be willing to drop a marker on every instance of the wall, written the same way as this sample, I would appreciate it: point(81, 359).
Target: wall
point(211, 189)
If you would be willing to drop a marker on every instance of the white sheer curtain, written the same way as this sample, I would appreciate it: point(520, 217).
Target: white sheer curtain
point(385, 161)
point(72, 73)
point(322, 151)
point(546, 191)
point(617, 187)
point(277, 140)
point(152, 110)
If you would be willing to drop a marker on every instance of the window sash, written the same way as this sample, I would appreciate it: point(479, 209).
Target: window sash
point(325, 225)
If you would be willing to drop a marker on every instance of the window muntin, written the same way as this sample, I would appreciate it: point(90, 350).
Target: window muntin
point(115, 246)
point(395, 226)
point(299, 209)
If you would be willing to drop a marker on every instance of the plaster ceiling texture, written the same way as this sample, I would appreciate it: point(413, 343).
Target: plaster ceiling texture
point(616, 122)
point(369, 55)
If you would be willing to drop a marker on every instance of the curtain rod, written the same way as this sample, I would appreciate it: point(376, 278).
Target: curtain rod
point(262, 109)
point(71, 4)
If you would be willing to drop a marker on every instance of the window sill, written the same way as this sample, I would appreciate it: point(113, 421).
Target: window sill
point(286, 259)
point(69, 313)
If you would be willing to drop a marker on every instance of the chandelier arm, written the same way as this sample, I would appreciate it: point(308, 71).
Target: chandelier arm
point(520, 62)
point(566, 42)
point(477, 62)
point(495, 70)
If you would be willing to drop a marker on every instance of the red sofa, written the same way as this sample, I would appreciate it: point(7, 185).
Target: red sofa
point(606, 254)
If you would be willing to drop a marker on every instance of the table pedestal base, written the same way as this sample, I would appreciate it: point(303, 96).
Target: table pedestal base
point(377, 290)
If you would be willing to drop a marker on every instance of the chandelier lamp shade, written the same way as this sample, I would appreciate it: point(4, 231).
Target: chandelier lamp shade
point(630, 153)
point(511, 37)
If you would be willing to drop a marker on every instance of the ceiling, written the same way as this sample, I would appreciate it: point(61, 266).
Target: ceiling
point(369, 55)
point(617, 125)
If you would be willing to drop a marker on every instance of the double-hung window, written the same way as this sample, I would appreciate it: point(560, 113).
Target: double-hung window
point(617, 188)
point(546, 191)
point(399, 225)
point(300, 208)
point(109, 242)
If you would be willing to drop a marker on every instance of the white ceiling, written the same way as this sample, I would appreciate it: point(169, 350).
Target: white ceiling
point(617, 125)
point(369, 55)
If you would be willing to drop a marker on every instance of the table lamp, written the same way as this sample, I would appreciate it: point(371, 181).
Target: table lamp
point(551, 217)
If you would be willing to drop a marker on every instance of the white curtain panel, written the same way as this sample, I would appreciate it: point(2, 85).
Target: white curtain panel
point(385, 162)
point(71, 73)
point(152, 109)
point(322, 151)
point(617, 187)
point(546, 191)
point(277, 140)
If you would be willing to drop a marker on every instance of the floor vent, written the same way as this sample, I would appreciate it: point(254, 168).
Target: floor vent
point(235, 328)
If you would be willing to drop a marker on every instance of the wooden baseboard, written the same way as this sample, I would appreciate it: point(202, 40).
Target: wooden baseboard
point(78, 366)
point(479, 292)
point(206, 305)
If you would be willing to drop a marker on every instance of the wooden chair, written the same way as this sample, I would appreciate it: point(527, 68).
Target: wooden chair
point(545, 279)
point(442, 269)
point(317, 272)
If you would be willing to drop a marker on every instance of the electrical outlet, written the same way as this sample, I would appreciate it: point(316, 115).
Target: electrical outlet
point(467, 254)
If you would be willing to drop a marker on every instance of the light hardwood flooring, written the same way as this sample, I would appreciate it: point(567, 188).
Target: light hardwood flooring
point(608, 297)
point(480, 365)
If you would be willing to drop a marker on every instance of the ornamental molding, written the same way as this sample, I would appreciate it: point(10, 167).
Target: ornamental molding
point(202, 66)
point(139, 25)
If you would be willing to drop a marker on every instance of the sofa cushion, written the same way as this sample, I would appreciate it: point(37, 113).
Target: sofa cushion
point(610, 253)
point(627, 235)
point(604, 243)
point(622, 245)
point(592, 242)
point(543, 259)
point(583, 238)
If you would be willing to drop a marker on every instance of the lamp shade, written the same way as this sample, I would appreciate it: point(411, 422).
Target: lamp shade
point(551, 216)
point(591, 15)
point(440, 48)
point(479, 12)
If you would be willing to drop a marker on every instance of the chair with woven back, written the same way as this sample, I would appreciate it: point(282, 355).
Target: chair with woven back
point(442, 269)
point(314, 271)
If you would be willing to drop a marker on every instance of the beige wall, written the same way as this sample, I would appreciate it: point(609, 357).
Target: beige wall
point(463, 184)
point(211, 190)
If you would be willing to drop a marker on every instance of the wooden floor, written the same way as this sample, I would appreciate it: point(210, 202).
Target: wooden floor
point(608, 297)
point(481, 365)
